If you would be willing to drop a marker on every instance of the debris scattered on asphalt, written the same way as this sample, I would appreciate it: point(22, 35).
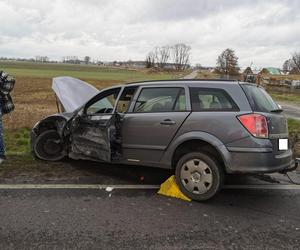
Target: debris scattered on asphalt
point(109, 189)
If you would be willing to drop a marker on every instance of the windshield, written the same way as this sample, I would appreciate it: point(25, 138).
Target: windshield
point(259, 99)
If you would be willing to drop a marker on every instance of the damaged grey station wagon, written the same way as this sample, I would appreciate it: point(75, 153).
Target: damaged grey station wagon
point(200, 128)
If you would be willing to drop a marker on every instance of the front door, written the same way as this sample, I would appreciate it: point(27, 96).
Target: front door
point(93, 129)
point(152, 122)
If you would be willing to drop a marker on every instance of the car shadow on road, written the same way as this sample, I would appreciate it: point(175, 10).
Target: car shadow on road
point(105, 173)
point(21, 169)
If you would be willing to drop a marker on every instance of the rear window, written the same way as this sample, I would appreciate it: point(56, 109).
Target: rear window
point(259, 99)
point(211, 99)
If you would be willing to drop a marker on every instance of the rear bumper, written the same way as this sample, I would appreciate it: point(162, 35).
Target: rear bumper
point(258, 161)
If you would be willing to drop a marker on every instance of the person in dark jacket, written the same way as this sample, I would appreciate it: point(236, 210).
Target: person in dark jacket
point(7, 84)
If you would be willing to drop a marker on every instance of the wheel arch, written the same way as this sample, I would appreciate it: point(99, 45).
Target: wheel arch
point(196, 141)
point(54, 122)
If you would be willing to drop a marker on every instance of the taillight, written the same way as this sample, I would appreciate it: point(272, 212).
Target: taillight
point(256, 124)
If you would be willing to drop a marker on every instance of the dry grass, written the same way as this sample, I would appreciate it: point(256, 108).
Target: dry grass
point(34, 99)
point(281, 77)
point(206, 74)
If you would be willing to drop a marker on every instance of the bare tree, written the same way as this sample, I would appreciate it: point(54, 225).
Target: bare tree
point(162, 55)
point(181, 55)
point(227, 63)
point(288, 65)
point(150, 60)
point(296, 59)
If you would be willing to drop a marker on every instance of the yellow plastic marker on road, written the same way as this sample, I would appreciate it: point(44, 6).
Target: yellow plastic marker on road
point(170, 188)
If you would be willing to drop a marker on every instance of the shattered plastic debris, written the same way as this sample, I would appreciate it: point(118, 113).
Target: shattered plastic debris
point(170, 188)
point(109, 189)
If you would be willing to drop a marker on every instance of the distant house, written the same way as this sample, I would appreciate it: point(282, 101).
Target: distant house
point(208, 68)
point(256, 71)
point(135, 64)
point(271, 71)
point(248, 71)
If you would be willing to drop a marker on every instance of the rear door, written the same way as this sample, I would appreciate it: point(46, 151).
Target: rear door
point(153, 119)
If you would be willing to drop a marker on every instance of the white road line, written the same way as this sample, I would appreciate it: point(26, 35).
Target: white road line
point(265, 186)
point(153, 187)
point(75, 186)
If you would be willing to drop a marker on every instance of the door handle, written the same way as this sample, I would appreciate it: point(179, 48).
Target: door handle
point(167, 122)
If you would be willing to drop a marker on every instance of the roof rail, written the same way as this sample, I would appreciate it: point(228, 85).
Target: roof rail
point(182, 80)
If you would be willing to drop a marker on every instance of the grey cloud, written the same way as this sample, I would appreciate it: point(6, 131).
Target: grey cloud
point(265, 31)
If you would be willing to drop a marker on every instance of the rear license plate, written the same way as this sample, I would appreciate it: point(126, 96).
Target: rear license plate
point(283, 144)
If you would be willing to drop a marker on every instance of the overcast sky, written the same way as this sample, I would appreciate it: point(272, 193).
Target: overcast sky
point(262, 32)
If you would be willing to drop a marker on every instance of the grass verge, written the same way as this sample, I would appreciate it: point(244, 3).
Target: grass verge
point(17, 141)
point(288, 97)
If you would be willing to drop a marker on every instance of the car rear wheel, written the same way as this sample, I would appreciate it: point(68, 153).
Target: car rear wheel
point(199, 176)
point(49, 146)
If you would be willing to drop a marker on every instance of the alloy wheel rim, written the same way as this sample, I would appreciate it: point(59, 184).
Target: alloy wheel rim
point(196, 176)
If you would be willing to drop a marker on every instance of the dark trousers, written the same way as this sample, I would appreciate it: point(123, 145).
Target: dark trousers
point(2, 147)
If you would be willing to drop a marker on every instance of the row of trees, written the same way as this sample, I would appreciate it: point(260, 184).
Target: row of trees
point(178, 55)
point(227, 63)
point(76, 60)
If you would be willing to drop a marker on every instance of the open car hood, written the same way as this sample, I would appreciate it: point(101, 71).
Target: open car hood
point(72, 93)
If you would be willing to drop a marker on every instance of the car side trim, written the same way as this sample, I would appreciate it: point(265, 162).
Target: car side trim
point(136, 146)
point(250, 150)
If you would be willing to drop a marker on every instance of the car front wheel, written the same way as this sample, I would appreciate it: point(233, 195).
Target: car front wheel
point(199, 176)
point(49, 147)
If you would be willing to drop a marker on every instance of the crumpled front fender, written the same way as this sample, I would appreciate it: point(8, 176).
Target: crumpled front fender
point(56, 122)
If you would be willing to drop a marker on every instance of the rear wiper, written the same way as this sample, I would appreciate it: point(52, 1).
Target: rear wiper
point(276, 110)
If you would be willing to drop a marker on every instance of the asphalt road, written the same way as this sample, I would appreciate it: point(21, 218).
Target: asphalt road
point(122, 219)
point(291, 110)
point(192, 75)
point(142, 219)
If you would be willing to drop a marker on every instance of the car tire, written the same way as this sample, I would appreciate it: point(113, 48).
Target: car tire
point(48, 146)
point(199, 176)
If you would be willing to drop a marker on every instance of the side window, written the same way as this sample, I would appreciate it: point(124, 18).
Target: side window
point(206, 99)
point(125, 99)
point(160, 99)
point(105, 104)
